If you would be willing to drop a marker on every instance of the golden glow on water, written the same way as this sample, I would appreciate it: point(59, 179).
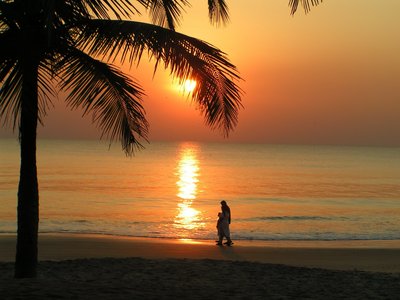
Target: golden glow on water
point(188, 174)
point(187, 216)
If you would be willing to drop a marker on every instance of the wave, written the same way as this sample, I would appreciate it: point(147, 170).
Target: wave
point(295, 218)
point(238, 236)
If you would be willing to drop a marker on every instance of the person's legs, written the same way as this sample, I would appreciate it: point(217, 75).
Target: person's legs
point(228, 241)
point(220, 236)
point(227, 234)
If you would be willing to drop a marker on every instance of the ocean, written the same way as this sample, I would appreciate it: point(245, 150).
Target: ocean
point(173, 190)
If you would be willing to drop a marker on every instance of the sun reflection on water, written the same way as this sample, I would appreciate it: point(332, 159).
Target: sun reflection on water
point(188, 172)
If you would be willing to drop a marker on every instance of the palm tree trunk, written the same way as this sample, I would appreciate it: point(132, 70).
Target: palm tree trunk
point(28, 195)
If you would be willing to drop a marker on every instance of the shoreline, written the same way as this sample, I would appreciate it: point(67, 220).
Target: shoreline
point(362, 255)
point(289, 243)
point(110, 267)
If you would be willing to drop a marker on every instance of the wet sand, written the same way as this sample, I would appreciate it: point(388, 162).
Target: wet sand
point(109, 267)
point(376, 256)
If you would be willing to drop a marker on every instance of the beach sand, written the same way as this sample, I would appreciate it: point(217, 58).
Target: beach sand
point(108, 267)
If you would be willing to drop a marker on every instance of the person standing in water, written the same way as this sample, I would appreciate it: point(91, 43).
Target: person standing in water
point(224, 219)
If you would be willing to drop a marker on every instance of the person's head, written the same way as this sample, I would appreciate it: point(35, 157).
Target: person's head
point(224, 206)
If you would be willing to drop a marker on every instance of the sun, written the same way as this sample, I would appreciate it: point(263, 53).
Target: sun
point(188, 86)
point(184, 87)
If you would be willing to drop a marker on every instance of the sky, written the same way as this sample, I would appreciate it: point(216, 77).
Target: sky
point(331, 76)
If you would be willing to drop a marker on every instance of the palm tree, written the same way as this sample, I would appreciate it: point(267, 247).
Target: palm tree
point(50, 45)
point(71, 43)
point(294, 4)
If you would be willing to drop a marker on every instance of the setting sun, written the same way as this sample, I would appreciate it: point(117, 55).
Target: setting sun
point(184, 86)
point(188, 86)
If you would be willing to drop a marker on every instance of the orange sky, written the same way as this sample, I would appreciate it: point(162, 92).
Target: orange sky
point(329, 77)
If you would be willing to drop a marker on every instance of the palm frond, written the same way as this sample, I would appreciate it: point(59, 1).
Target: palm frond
point(10, 72)
point(72, 10)
point(166, 13)
point(101, 8)
point(46, 90)
point(10, 92)
point(9, 55)
point(113, 98)
point(6, 11)
point(307, 4)
point(216, 93)
point(218, 11)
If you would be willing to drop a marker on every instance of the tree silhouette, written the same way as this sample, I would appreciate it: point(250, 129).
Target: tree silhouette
point(51, 45)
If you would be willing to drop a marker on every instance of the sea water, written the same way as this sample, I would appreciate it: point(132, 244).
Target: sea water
point(173, 190)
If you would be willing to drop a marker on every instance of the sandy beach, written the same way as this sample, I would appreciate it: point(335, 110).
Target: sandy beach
point(109, 267)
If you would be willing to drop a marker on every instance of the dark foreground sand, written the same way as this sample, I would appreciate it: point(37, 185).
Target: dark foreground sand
point(94, 267)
